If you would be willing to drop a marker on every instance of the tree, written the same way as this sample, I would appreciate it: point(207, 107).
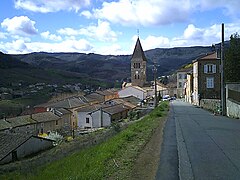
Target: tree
point(232, 59)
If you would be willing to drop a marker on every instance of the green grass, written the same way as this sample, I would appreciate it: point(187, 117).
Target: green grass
point(112, 159)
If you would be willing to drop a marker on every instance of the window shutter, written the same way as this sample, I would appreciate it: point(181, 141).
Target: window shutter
point(205, 68)
point(214, 68)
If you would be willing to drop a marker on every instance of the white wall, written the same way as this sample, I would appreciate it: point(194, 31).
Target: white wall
point(96, 119)
point(81, 120)
point(131, 91)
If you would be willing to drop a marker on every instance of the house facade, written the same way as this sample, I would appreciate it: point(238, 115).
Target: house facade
point(189, 88)
point(181, 82)
point(206, 78)
point(47, 121)
point(101, 115)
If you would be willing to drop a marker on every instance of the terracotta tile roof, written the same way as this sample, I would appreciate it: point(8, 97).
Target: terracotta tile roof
point(125, 103)
point(45, 117)
point(20, 121)
point(115, 109)
point(208, 56)
point(91, 108)
point(4, 124)
point(68, 103)
point(95, 97)
point(132, 99)
point(107, 92)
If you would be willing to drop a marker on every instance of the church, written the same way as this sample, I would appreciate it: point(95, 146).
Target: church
point(139, 87)
point(138, 66)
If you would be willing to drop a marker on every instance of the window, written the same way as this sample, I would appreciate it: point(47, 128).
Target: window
point(56, 122)
point(209, 68)
point(180, 76)
point(180, 85)
point(210, 82)
point(136, 65)
point(87, 120)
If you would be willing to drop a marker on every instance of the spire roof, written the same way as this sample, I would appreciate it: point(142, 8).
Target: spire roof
point(138, 51)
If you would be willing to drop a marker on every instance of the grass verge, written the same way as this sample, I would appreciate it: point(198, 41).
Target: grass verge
point(113, 159)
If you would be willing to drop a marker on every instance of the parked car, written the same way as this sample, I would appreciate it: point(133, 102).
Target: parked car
point(166, 98)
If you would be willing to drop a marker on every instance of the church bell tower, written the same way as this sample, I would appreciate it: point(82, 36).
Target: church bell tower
point(138, 65)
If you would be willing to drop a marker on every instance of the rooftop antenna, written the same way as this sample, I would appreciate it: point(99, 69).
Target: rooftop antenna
point(138, 32)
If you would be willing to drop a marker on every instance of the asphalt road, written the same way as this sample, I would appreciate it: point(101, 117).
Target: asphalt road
point(208, 146)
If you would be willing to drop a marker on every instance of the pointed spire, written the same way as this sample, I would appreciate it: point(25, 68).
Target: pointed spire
point(138, 51)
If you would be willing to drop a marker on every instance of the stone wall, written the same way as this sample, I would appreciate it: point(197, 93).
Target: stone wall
point(233, 109)
point(232, 100)
point(211, 104)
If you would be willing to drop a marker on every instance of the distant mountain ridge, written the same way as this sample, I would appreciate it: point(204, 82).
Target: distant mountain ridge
point(110, 68)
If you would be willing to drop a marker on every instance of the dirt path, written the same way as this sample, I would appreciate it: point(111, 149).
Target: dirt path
point(147, 162)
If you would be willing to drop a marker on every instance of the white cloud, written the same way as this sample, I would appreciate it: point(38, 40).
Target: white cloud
point(52, 37)
point(19, 25)
point(231, 6)
point(46, 6)
point(20, 46)
point(87, 14)
point(102, 31)
point(152, 42)
point(141, 12)
point(114, 49)
point(14, 47)
point(192, 36)
point(158, 12)
point(191, 32)
point(3, 35)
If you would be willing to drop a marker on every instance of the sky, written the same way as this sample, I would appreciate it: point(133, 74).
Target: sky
point(112, 26)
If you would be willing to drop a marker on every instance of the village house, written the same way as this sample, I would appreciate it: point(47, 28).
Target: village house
point(104, 117)
point(181, 81)
point(189, 87)
point(65, 115)
point(22, 124)
point(47, 121)
point(135, 91)
point(108, 94)
point(15, 146)
point(83, 117)
point(206, 78)
point(100, 115)
point(70, 104)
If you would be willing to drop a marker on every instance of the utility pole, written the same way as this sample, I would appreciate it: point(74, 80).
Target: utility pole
point(223, 91)
point(155, 85)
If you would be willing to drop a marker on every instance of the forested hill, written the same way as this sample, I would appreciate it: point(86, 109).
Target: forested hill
point(111, 68)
